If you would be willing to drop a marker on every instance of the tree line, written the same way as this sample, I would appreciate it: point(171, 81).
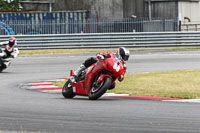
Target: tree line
point(6, 6)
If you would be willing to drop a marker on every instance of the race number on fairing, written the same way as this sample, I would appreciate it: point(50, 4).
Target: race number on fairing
point(116, 67)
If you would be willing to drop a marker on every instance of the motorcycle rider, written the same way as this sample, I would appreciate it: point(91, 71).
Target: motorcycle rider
point(122, 54)
point(10, 49)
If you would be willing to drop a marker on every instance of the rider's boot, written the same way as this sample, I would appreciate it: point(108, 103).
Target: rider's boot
point(78, 71)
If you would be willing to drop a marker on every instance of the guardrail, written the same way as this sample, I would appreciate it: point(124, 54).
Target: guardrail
point(107, 40)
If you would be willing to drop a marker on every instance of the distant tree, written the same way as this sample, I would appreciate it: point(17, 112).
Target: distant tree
point(9, 6)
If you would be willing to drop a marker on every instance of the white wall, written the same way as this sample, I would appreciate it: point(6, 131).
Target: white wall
point(190, 10)
point(108, 8)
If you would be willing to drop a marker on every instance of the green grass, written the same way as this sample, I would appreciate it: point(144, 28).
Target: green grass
point(179, 84)
point(55, 51)
point(60, 51)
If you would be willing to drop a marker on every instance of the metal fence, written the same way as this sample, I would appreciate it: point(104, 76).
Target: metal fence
point(92, 25)
point(107, 40)
point(190, 26)
point(40, 22)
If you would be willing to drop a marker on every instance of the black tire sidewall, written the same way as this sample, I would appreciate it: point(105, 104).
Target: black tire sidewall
point(1, 69)
point(102, 90)
point(66, 91)
point(1, 65)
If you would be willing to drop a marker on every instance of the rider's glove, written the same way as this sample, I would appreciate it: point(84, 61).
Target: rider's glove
point(121, 78)
point(125, 67)
point(100, 57)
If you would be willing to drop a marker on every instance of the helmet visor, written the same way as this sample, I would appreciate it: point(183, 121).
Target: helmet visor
point(11, 44)
point(126, 57)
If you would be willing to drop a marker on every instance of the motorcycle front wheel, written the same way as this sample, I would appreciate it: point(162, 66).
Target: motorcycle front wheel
point(67, 90)
point(1, 65)
point(1, 68)
point(97, 90)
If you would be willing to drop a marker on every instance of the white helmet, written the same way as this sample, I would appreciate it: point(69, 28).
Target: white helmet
point(123, 53)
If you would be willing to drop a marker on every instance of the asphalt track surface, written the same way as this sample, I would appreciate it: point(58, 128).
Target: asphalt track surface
point(24, 110)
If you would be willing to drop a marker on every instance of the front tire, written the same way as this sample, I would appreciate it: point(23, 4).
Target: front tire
point(67, 90)
point(1, 68)
point(97, 90)
point(1, 65)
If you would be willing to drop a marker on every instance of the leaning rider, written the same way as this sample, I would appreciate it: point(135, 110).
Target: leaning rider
point(122, 54)
point(10, 49)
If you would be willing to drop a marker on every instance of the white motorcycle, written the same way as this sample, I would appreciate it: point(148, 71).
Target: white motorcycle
point(4, 62)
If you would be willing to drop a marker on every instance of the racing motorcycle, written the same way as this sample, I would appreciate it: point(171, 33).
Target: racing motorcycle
point(4, 62)
point(95, 80)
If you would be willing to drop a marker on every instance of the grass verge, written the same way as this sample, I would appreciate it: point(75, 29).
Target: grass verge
point(60, 51)
point(179, 84)
point(56, 51)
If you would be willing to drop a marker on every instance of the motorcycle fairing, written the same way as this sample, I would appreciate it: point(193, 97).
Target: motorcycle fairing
point(84, 85)
point(76, 88)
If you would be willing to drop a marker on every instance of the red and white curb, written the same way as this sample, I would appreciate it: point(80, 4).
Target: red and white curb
point(44, 86)
point(47, 87)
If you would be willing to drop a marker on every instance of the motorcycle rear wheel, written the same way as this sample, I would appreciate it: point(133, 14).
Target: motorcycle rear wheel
point(97, 90)
point(67, 90)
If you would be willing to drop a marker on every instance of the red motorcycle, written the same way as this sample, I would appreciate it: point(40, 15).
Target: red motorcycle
point(96, 79)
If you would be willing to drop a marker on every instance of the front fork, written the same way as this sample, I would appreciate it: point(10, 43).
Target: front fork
point(102, 77)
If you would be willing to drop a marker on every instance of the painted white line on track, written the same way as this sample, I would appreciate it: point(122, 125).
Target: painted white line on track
point(105, 95)
point(46, 86)
point(51, 91)
point(54, 80)
point(184, 101)
point(113, 94)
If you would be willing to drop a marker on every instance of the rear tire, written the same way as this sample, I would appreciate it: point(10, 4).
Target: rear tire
point(97, 91)
point(67, 90)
